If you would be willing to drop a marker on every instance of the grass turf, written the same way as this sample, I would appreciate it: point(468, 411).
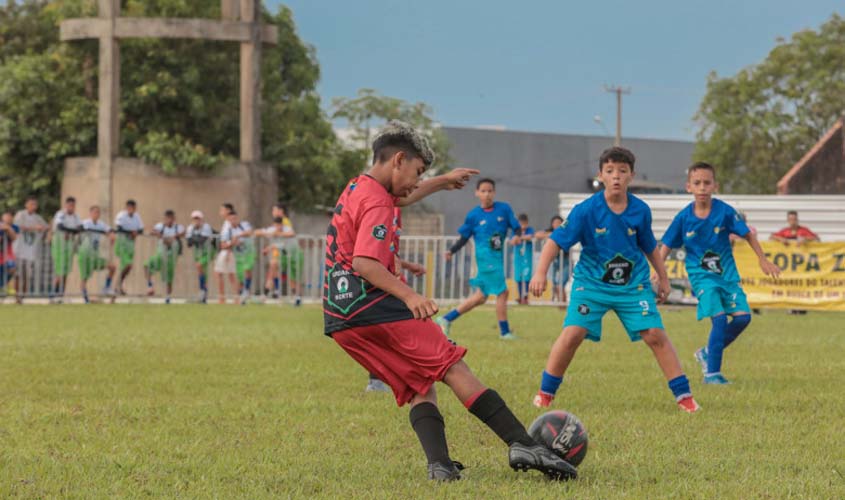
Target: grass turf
point(225, 402)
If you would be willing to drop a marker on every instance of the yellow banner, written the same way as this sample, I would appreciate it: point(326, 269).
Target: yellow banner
point(812, 275)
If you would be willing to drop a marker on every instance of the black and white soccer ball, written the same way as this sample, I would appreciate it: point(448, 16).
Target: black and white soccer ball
point(563, 433)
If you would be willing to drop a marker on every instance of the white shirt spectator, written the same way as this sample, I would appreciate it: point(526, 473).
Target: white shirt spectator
point(204, 231)
point(64, 220)
point(28, 245)
point(128, 223)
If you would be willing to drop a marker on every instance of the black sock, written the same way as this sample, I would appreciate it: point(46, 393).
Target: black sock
point(491, 409)
point(430, 428)
point(373, 377)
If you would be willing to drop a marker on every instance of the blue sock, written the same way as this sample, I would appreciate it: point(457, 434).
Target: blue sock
point(680, 387)
point(716, 344)
point(108, 282)
point(277, 284)
point(150, 283)
point(452, 315)
point(247, 284)
point(549, 383)
point(203, 286)
point(735, 327)
point(85, 296)
point(504, 327)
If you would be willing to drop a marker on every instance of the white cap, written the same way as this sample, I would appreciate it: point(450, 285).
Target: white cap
point(196, 214)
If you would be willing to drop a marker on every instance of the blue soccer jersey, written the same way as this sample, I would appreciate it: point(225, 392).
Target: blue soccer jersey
point(709, 256)
point(612, 244)
point(489, 228)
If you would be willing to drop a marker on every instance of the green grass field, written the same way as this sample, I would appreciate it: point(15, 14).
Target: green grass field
point(254, 402)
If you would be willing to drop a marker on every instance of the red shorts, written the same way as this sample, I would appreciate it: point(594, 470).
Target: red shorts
point(408, 355)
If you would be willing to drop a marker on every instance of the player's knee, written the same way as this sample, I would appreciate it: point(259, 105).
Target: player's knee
point(742, 320)
point(654, 337)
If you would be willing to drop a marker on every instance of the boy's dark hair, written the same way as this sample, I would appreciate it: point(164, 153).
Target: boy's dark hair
point(281, 206)
point(229, 207)
point(701, 165)
point(70, 199)
point(486, 180)
point(522, 218)
point(131, 203)
point(93, 207)
point(617, 154)
point(554, 218)
point(399, 136)
point(169, 213)
point(277, 220)
point(792, 212)
point(31, 197)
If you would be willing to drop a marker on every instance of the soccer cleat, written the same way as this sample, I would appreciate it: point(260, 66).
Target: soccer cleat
point(244, 297)
point(688, 404)
point(298, 301)
point(715, 379)
point(538, 457)
point(508, 336)
point(439, 471)
point(444, 325)
point(701, 358)
point(204, 297)
point(376, 385)
point(167, 300)
point(543, 400)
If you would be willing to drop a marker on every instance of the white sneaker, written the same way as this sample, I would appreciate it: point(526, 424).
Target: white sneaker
point(376, 385)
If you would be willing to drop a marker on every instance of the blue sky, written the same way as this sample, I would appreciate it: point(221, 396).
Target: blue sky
point(541, 65)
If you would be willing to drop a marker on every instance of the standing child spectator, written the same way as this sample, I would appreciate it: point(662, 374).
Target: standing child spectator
point(238, 239)
point(63, 241)
point(167, 251)
point(277, 236)
point(93, 251)
point(8, 233)
point(28, 248)
point(560, 266)
point(523, 258)
point(200, 238)
point(224, 263)
point(128, 226)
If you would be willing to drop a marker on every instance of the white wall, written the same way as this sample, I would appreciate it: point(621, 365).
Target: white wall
point(823, 214)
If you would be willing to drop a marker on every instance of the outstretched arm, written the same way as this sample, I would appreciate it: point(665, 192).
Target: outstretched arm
point(455, 179)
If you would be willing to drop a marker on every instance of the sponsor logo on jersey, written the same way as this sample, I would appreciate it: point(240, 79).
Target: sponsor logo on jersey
point(711, 262)
point(380, 232)
point(601, 231)
point(483, 222)
point(583, 309)
point(690, 234)
point(631, 231)
point(618, 270)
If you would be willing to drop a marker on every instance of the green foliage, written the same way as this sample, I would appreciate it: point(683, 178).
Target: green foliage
point(758, 123)
point(132, 401)
point(368, 111)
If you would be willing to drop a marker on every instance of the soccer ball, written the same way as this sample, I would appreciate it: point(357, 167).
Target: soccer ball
point(563, 433)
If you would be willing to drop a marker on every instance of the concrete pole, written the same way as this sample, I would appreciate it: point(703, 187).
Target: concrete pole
point(251, 83)
point(108, 115)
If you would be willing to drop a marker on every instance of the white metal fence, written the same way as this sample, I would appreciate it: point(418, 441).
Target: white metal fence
point(285, 271)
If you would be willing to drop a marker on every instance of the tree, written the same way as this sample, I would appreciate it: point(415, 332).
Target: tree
point(179, 101)
point(758, 123)
point(368, 111)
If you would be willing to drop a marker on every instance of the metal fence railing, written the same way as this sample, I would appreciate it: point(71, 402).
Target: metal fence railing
point(280, 270)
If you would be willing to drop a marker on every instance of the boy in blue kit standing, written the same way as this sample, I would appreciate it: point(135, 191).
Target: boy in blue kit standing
point(488, 224)
point(703, 228)
point(614, 229)
point(523, 258)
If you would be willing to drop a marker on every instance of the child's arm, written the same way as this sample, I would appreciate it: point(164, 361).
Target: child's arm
point(765, 264)
point(538, 282)
point(656, 259)
point(455, 179)
point(378, 275)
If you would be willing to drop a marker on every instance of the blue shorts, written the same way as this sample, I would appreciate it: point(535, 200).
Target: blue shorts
point(637, 310)
point(721, 299)
point(490, 282)
point(522, 270)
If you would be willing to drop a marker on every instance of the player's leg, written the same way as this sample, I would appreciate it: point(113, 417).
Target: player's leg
point(736, 305)
point(666, 356)
point(152, 265)
point(560, 357)
point(502, 315)
point(107, 287)
point(489, 407)
point(475, 299)
point(737, 325)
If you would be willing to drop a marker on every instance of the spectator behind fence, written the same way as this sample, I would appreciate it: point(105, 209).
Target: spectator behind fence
point(200, 238)
point(238, 239)
point(291, 260)
point(560, 266)
point(94, 252)
point(523, 258)
point(224, 264)
point(168, 249)
point(64, 237)
point(8, 233)
point(128, 225)
point(794, 231)
point(27, 246)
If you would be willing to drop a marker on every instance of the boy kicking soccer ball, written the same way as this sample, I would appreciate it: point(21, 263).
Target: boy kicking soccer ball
point(614, 229)
point(703, 228)
point(384, 324)
point(488, 224)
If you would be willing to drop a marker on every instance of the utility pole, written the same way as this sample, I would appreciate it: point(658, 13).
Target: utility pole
point(618, 91)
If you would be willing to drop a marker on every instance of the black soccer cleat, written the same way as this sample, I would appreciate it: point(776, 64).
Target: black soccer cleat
point(439, 471)
point(538, 457)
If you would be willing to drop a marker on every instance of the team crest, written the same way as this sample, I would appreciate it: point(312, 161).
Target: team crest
point(718, 229)
point(353, 186)
point(380, 232)
point(631, 231)
point(483, 222)
point(583, 309)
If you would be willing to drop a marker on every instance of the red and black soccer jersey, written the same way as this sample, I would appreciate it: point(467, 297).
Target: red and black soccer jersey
point(364, 224)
